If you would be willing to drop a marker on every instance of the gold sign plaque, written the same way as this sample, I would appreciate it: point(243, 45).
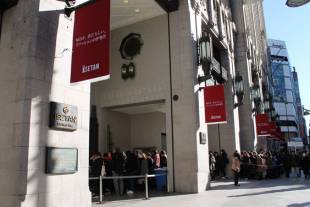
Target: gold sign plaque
point(63, 116)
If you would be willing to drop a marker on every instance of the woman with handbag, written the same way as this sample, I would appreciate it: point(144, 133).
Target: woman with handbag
point(236, 167)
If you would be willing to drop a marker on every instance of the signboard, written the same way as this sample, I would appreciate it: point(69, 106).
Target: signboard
point(215, 112)
point(63, 116)
point(61, 160)
point(262, 125)
point(91, 42)
point(295, 144)
point(273, 129)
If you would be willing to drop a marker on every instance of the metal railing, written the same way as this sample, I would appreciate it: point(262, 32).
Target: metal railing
point(146, 176)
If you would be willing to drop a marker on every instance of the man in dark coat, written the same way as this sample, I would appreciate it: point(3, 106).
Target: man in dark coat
point(96, 162)
point(305, 164)
point(117, 166)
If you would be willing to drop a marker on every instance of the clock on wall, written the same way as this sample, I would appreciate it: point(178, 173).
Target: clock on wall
point(131, 46)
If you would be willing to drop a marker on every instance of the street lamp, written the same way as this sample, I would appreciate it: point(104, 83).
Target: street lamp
point(255, 93)
point(296, 3)
point(204, 57)
point(238, 89)
point(306, 111)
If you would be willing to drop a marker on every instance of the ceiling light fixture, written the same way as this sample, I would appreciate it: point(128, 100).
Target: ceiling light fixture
point(137, 10)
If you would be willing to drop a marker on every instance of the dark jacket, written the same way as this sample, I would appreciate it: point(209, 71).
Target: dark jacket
point(131, 165)
point(117, 163)
point(96, 167)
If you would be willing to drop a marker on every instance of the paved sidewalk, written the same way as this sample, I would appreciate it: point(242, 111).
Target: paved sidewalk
point(265, 193)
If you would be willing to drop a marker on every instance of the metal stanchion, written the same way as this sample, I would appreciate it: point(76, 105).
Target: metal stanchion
point(100, 189)
point(146, 187)
point(167, 182)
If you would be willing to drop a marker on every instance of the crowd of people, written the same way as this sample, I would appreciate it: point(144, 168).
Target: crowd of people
point(127, 163)
point(261, 164)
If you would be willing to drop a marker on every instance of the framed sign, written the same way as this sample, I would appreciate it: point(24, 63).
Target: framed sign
point(63, 116)
point(202, 138)
point(61, 160)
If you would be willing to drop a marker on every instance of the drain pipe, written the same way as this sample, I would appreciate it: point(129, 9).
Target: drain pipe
point(171, 102)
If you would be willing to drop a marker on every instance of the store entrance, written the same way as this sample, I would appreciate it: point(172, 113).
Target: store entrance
point(132, 141)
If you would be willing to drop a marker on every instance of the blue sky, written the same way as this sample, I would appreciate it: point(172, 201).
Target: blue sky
point(292, 25)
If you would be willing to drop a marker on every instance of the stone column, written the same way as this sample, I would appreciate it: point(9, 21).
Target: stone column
point(35, 57)
point(191, 169)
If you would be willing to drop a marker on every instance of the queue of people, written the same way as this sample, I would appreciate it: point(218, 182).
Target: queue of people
point(217, 164)
point(127, 163)
point(261, 164)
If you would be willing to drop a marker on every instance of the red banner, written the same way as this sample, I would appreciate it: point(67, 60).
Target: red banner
point(91, 42)
point(273, 129)
point(262, 125)
point(215, 111)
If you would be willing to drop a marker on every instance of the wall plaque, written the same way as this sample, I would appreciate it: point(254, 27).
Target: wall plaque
point(203, 138)
point(61, 160)
point(63, 116)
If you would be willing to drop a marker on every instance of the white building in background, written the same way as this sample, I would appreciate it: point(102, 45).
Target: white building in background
point(283, 89)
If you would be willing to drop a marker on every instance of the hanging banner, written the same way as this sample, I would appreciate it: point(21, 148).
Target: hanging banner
point(273, 130)
point(91, 42)
point(262, 125)
point(215, 112)
point(279, 133)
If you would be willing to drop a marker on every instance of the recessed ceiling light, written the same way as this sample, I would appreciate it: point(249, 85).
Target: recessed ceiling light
point(137, 10)
point(125, 1)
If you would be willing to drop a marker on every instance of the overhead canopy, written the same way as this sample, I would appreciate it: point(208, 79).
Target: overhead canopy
point(5, 4)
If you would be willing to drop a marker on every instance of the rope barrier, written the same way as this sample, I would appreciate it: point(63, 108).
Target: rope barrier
point(146, 176)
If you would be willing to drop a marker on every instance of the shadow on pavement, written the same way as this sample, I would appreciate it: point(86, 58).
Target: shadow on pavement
point(271, 191)
point(135, 196)
point(299, 205)
point(255, 184)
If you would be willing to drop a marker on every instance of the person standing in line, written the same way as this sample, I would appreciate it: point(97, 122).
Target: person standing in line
point(236, 167)
point(225, 161)
point(96, 162)
point(305, 162)
point(163, 159)
point(156, 159)
point(131, 168)
point(212, 165)
point(117, 165)
point(287, 164)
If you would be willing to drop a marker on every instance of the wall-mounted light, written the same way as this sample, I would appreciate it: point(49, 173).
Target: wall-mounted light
point(266, 105)
point(238, 89)
point(131, 70)
point(255, 93)
point(128, 71)
point(204, 54)
point(124, 71)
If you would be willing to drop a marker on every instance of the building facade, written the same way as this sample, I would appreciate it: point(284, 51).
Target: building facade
point(252, 65)
point(286, 99)
point(300, 111)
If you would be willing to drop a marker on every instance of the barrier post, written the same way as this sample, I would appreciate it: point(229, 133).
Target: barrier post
point(100, 189)
point(167, 181)
point(146, 187)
